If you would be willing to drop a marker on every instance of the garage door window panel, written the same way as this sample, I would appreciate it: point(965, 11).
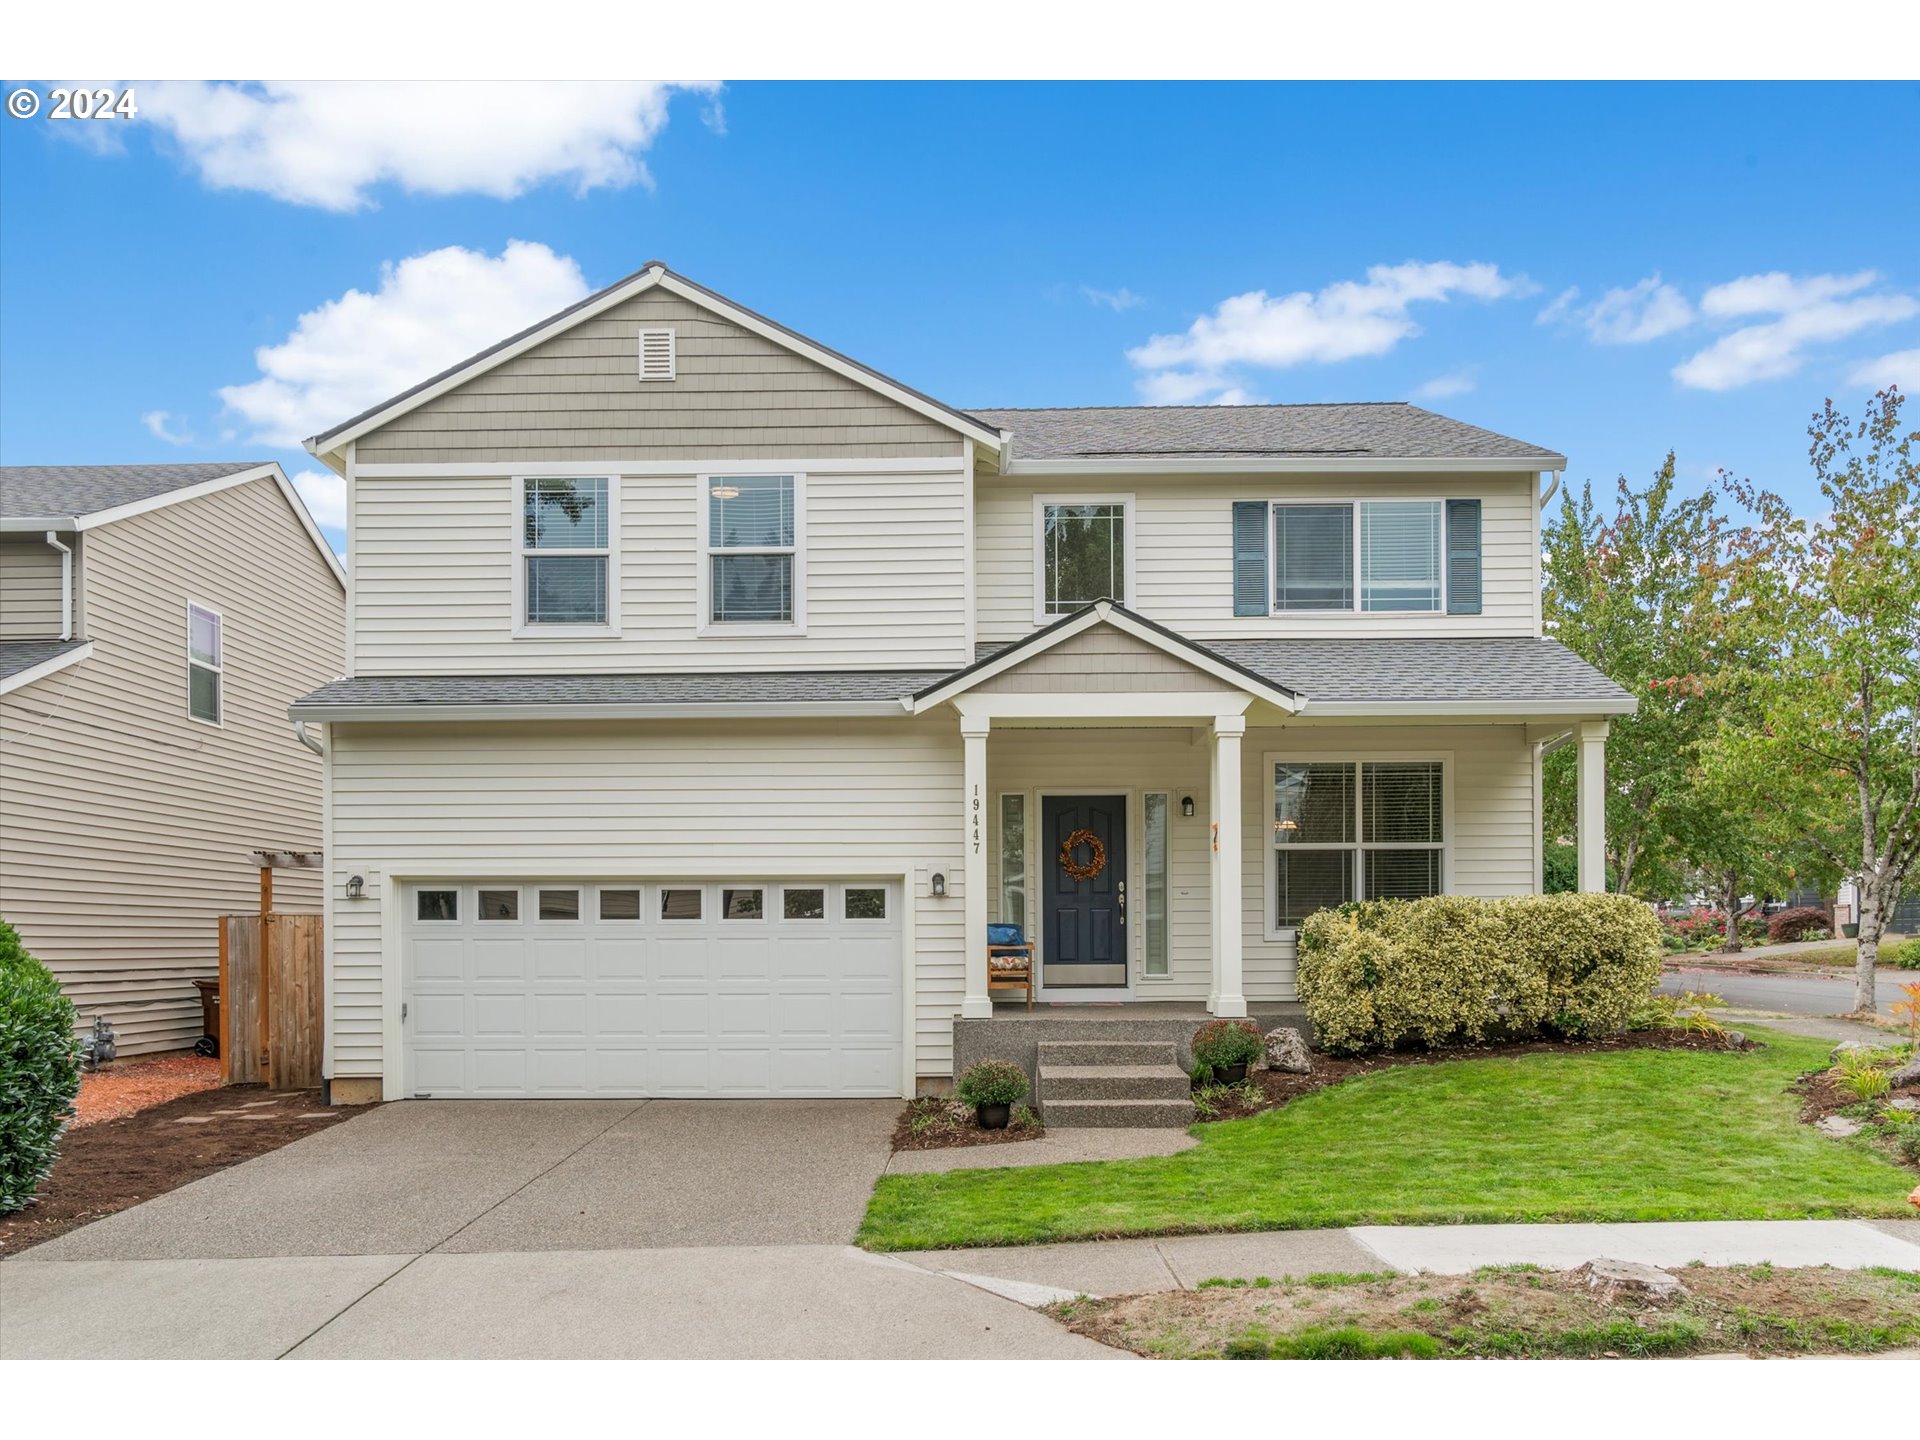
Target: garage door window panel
point(498, 905)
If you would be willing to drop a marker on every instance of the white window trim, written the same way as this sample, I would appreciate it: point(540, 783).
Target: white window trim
point(1026, 854)
point(1147, 977)
point(1131, 598)
point(1290, 934)
point(721, 629)
point(1354, 504)
point(522, 630)
point(218, 667)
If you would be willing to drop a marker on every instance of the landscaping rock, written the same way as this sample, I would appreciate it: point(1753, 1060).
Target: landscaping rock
point(1630, 1277)
point(1287, 1050)
point(1737, 1039)
point(1903, 1102)
point(1844, 1047)
point(1907, 1074)
point(1838, 1126)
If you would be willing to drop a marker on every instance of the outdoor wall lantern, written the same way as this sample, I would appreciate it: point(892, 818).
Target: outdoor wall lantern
point(356, 886)
point(939, 886)
point(1186, 806)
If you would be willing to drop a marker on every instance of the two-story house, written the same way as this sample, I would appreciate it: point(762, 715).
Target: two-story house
point(155, 622)
point(709, 693)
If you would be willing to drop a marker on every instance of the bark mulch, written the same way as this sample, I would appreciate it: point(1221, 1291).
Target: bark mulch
point(937, 1123)
point(123, 1087)
point(113, 1164)
point(1270, 1089)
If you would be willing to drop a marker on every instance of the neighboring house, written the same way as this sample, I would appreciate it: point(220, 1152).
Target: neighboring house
point(709, 693)
point(155, 622)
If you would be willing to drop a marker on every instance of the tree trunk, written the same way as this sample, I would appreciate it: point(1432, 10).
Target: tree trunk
point(1730, 907)
point(1872, 921)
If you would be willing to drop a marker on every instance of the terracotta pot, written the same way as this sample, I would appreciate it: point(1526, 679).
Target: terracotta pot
point(992, 1117)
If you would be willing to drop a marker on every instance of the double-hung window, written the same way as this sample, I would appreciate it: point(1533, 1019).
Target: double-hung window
point(1354, 829)
point(205, 666)
point(566, 533)
point(753, 526)
point(1084, 553)
point(1368, 555)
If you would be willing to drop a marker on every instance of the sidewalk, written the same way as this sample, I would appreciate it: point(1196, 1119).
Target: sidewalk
point(1040, 1274)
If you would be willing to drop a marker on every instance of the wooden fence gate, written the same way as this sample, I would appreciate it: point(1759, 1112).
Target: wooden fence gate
point(270, 999)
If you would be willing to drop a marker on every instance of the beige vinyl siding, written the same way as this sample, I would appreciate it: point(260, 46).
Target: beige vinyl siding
point(30, 588)
point(1492, 840)
point(1104, 660)
point(1183, 553)
point(663, 800)
point(125, 825)
point(579, 396)
point(885, 570)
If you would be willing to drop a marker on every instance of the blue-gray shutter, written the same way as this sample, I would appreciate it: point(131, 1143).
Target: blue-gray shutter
point(1463, 557)
point(1250, 558)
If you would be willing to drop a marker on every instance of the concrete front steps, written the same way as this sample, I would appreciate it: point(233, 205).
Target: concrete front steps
point(1113, 1084)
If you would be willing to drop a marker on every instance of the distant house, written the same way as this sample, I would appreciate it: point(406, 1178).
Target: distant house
point(155, 622)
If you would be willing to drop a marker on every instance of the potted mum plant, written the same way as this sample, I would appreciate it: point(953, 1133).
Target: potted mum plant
point(992, 1088)
point(1223, 1049)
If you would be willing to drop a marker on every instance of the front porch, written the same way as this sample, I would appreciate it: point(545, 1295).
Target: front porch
point(1015, 1033)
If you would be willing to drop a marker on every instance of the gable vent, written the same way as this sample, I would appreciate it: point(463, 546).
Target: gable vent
point(656, 355)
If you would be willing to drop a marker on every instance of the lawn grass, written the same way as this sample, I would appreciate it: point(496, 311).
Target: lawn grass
point(1609, 1135)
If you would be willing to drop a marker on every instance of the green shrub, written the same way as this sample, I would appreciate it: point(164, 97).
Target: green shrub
point(39, 1071)
point(1903, 956)
point(1455, 968)
point(1221, 1044)
point(992, 1082)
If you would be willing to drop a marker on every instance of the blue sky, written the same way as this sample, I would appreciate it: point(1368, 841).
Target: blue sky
point(995, 244)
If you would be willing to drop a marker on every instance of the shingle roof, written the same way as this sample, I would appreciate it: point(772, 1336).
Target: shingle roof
point(743, 688)
point(75, 490)
point(1395, 671)
point(1324, 671)
point(18, 655)
point(1386, 429)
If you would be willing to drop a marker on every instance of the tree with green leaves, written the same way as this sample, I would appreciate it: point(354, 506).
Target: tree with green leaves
point(1830, 609)
point(1638, 595)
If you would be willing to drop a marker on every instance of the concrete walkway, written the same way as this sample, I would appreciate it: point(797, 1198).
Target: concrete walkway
point(1039, 1274)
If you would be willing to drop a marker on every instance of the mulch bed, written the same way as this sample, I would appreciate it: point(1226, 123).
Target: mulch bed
point(1277, 1087)
point(124, 1087)
point(114, 1164)
point(947, 1124)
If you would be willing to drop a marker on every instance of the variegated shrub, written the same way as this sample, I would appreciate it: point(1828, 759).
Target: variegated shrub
point(1452, 968)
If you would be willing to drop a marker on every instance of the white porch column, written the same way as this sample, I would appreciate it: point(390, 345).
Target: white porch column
point(976, 1003)
point(1590, 805)
point(1229, 1001)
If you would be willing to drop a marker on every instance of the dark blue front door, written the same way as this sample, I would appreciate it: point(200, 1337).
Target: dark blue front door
point(1084, 945)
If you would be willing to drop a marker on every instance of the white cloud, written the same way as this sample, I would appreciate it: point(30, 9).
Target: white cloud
point(1344, 321)
point(1458, 382)
point(430, 311)
point(1637, 313)
point(327, 143)
point(159, 424)
point(1807, 311)
point(1627, 315)
point(1901, 368)
point(1121, 299)
point(325, 494)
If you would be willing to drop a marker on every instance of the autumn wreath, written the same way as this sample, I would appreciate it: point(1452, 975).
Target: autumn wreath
point(1096, 855)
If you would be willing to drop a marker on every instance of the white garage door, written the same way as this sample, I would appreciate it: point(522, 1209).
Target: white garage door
point(756, 988)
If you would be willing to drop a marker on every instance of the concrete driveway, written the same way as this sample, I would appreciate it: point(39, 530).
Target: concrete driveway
point(496, 1229)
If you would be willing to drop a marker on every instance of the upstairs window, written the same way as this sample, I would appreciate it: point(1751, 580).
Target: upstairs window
point(204, 665)
point(566, 552)
point(1392, 547)
point(1083, 553)
point(752, 549)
